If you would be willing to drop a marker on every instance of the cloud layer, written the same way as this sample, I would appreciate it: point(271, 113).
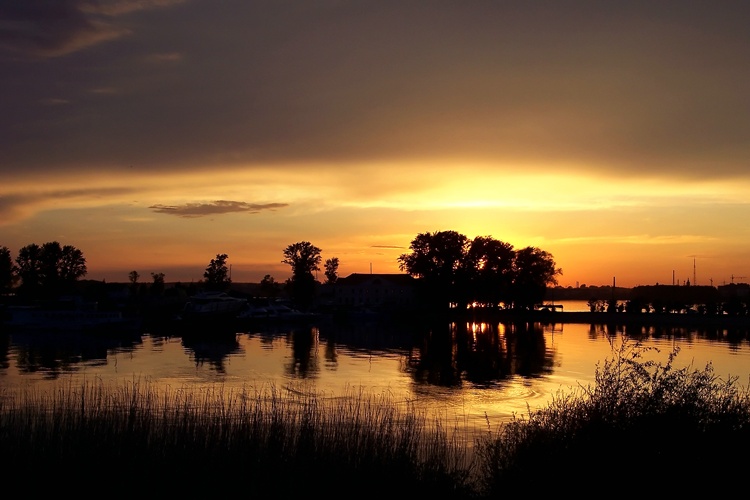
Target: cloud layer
point(631, 89)
point(596, 128)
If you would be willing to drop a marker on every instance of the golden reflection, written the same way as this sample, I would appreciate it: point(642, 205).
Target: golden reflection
point(552, 327)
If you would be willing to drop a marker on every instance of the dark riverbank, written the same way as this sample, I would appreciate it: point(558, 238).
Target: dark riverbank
point(624, 318)
point(642, 320)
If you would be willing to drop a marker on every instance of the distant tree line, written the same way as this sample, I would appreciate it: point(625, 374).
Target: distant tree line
point(451, 270)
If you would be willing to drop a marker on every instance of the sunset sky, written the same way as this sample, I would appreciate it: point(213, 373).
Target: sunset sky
point(155, 134)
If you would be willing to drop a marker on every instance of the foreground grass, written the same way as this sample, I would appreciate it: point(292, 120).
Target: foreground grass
point(642, 422)
point(272, 443)
point(643, 428)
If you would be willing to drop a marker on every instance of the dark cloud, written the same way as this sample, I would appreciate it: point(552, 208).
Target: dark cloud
point(633, 88)
point(50, 28)
point(54, 28)
point(397, 247)
point(193, 210)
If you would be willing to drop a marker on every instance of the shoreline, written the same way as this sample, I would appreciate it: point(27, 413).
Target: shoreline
point(624, 318)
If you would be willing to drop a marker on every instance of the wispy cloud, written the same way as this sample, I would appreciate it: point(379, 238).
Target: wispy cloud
point(16, 207)
point(193, 210)
point(53, 101)
point(641, 239)
point(164, 57)
point(397, 247)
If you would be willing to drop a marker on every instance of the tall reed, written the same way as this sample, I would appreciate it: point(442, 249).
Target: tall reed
point(273, 441)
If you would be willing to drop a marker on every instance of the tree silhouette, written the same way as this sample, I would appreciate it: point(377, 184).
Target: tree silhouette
point(454, 271)
point(7, 271)
point(29, 262)
point(534, 270)
point(70, 263)
point(217, 273)
point(304, 258)
point(490, 269)
point(332, 268)
point(158, 285)
point(133, 277)
point(50, 269)
point(268, 286)
point(437, 258)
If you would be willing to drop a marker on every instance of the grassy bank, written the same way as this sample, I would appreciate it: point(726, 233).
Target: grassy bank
point(643, 427)
point(640, 420)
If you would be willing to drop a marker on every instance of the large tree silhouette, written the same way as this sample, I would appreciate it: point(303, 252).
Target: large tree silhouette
point(437, 259)
point(50, 269)
point(454, 271)
point(304, 259)
point(489, 264)
point(533, 270)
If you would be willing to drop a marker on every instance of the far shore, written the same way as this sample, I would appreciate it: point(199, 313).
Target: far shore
point(625, 318)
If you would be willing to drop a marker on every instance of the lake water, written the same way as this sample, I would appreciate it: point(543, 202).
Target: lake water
point(471, 376)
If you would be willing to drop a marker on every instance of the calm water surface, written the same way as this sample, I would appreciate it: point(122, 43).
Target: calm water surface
point(472, 376)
